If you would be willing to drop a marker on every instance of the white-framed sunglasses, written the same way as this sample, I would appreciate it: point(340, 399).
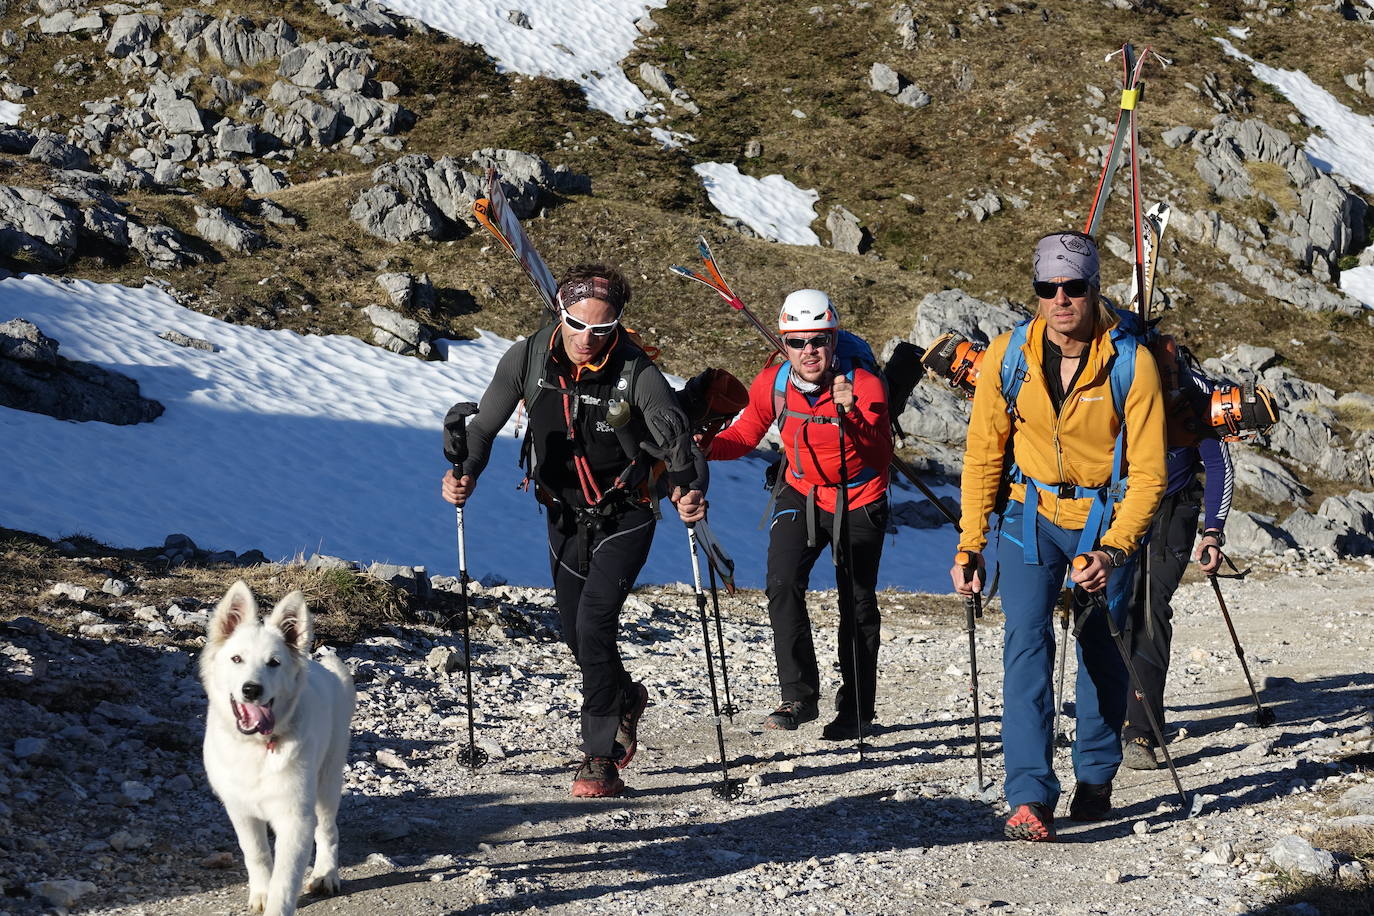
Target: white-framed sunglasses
point(577, 325)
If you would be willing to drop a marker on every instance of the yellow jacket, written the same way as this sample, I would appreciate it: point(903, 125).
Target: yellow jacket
point(1074, 447)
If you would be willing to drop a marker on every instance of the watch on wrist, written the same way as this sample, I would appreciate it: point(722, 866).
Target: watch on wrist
point(1116, 557)
point(1216, 533)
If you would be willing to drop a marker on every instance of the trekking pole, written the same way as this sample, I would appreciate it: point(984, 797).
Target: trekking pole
point(456, 451)
point(1064, 608)
point(728, 788)
point(973, 608)
point(729, 708)
point(845, 582)
point(1098, 599)
point(1263, 715)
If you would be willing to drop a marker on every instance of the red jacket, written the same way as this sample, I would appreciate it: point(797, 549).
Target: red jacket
point(813, 448)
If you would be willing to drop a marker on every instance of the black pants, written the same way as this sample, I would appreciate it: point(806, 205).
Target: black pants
point(589, 605)
point(790, 559)
point(1151, 628)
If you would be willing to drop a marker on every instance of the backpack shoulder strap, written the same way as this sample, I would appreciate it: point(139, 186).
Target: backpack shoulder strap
point(536, 345)
point(1013, 370)
point(780, 374)
point(1128, 333)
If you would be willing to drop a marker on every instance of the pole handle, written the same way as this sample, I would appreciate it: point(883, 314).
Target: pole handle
point(968, 562)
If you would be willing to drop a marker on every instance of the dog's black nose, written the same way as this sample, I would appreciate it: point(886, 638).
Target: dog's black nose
point(251, 691)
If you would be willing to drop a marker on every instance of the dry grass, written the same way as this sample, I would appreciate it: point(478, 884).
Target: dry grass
point(347, 605)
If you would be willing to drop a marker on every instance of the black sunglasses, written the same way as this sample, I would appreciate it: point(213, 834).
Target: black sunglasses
point(800, 343)
point(1074, 289)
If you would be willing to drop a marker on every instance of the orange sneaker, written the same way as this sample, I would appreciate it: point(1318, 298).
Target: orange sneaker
point(1034, 822)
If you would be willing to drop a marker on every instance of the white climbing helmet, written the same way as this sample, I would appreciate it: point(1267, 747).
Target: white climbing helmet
point(808, 310)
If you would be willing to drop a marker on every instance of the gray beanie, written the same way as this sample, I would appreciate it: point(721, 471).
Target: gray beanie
point(1067, 254)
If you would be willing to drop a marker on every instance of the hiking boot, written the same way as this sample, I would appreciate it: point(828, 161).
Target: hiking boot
point(844, 728)
point(1091, 802)
point(597, 778)
point(627, 735)
point(1033, 821)
point(791, 713)
point(1138, 754)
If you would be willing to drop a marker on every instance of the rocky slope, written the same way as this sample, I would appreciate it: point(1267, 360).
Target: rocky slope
point(106, 808)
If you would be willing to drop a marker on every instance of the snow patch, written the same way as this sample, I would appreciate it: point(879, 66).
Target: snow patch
point(772, 206)
point(1359, 281)
point(579, 40)
point(10, 112)
point(1348, 136)
point(298, 444)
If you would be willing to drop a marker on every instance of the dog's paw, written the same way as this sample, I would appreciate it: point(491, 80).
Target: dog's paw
point(325, 885)
point(257, 901)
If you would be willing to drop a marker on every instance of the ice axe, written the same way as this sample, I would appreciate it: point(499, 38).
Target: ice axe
point(456, 451)
point(1098, 599)
point(1263, 715)
point(973, 608)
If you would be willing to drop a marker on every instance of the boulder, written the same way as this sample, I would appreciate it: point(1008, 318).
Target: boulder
point(52, 150)
point(106, 226)
point(1251, 534)
point(1293, 853)
point(366, 16)
point(846, 233)
point(913, 96)
point(1354, 511)
point(219, 227)
point(407, 290)
point(177, 112)
point(1314, 532)
point(37, 227)
point(383, 212)
point(956, 310)
point(882, 78)
point(1266, 477)
point(398, 333)
point(234, 40)
point(132, 32)
point(324, 64)
point(33, 377)
point(410, 579)
point(162, 247)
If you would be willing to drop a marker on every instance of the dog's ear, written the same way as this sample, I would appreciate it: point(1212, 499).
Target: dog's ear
point(234, 608)
point(292, 617)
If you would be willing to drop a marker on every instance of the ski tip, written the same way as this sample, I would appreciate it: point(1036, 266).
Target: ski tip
point(682, 271)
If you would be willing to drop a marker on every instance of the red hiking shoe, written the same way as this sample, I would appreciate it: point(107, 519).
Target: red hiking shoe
point(1034, 822)
point(627, 735)
point(597, 778)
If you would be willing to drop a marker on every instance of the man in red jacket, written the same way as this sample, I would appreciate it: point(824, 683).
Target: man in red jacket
point(807, 398)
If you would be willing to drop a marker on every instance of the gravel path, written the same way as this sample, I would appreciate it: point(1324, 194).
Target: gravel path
point(116, 795)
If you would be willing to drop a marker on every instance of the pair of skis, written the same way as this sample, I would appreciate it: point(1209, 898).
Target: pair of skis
point(1149, 226)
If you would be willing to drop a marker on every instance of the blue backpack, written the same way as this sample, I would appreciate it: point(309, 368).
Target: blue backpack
point(1129, 331)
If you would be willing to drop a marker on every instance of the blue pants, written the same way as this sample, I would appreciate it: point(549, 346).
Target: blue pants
point(1028, 598)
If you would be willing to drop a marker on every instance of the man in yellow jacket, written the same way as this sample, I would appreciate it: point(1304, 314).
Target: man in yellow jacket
point(1079, 400)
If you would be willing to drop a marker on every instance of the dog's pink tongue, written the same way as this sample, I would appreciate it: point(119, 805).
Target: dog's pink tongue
point(258, 718)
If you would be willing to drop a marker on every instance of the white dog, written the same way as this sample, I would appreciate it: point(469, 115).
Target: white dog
point(276, 741)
